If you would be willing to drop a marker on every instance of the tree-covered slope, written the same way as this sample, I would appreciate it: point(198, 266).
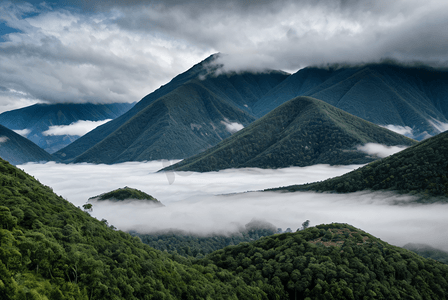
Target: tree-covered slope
point(188, 115)
point(421, 169)
point(50, 249)
point(38, 118)
point(301, 132)
point(335, 261)
point(380, 93)
point(18, 150)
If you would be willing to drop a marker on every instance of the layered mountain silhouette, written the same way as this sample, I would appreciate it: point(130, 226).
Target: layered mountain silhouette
point(301, 132)
point(36, 119)
point(192, 113)
point(421, 169)
point(18, 150)
point(384, 94)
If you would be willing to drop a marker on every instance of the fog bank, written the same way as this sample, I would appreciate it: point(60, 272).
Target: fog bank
point(195, 202)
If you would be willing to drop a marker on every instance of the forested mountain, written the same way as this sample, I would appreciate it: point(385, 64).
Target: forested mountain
point(193, 112)
point(37, 118)
point(335, 261)
point(421, 169)
point(383, 94)
point(18, 150)
point(52, 250)
point(301, 132)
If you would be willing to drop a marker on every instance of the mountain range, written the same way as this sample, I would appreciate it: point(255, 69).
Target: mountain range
point(34, 121)
point(301, 132)
point(192, 113)
point(384, 93)
point(421, 169)
point(203, 106)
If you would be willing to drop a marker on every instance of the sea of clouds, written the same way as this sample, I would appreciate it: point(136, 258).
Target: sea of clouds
point(216, 202)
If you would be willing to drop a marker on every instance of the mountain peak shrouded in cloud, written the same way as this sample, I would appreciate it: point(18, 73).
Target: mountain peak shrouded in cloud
point(81, 51)
point(193, 112)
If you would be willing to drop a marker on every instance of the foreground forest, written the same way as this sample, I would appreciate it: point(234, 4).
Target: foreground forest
point(52, 250)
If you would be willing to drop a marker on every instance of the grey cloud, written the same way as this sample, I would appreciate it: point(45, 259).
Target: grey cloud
point(297, 34)
point(120, 51)
point(63, 56)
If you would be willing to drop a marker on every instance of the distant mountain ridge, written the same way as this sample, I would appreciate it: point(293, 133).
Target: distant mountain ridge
point(421, 169)
point(192, 113)
point(38, 118)
point(301, 132)
point(383, 94)
point(18, 150)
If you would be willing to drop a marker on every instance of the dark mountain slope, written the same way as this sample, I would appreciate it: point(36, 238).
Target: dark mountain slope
point(421, 169)
point(95, 136)
point(184, 119)
point(182, 123)
point(301, 132)
point(19, 150)
point(335, 261)
point(381, 93)
point(52, 250)
point(39, 117)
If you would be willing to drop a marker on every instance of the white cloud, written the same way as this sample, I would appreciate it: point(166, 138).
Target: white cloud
point(403, 130)
point(232, 127)
point(3, 139)
point(80, 128)
point(22, 132)
point(196, 202)
point(380, 150)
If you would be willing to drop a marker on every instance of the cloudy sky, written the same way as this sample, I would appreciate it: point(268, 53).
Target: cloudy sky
point(76, 51)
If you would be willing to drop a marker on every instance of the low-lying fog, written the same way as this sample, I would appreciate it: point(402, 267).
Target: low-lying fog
point(195, 201)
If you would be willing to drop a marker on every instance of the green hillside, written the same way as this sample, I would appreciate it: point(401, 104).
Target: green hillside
point(303, 131)
point(50, 249)
point(53, 250)
point(421, 169)
point(19, 150)
point(383, 93)
point(190, 114)
point(335, 261)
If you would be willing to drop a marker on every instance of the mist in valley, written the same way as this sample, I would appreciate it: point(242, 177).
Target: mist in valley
point(217, 202)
